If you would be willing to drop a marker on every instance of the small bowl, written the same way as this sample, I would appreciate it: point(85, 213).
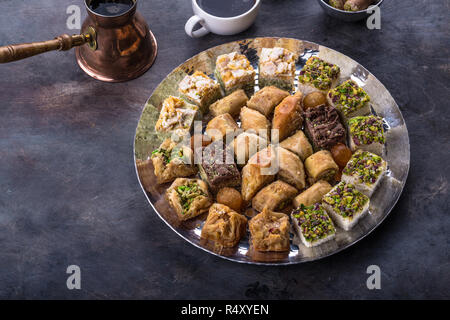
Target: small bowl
point(348, 16)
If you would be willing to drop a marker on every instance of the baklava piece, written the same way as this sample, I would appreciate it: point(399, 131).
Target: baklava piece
point(231, 104)
point(234, 71)
point(313, 194)
point(277, 68)
point(276, 196)
point(367, 133)
point(349, 99)
point(224, 226)
point(255, 122)
point(313, 225)
point(287, 117)
point(188, 197)
point(172, 160)
point(266, 99)
point(298, 144)
point(317, 75)
point(324, 128)
point(176, 116)
point(246, 145)
point(257, 173)
point(346, 205)
point(217, 167)
point(291, 168)
point(200, 89)
point(365, 170)
point(321, 166)
point(270, 231)
point(221, 127)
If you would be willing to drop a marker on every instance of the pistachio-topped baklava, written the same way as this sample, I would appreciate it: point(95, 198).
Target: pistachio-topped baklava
point(349, 99)
point(317, 74)
point(367, 133)
point(365, 170)
point(346, 205)
point(189, 197)
point(172, 160)
point(313, 225)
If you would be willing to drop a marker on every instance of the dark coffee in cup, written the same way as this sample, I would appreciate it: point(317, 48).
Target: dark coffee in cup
point(110, 7)
point(226, 8)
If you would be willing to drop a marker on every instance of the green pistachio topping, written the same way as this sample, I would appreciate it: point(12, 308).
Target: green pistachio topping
point(319, 73)
point(346, 200)
point(349, 97)
point(366, 166)
point(188, 193)
point(314, 222)
point(367, 130)
point(168, 155)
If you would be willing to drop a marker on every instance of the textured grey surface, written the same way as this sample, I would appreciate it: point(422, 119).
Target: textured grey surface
point(69, 194)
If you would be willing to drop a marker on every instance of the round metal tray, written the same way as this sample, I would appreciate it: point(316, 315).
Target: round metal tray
point(382, 103)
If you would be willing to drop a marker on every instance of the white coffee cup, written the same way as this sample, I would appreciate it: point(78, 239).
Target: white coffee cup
point(219, 25)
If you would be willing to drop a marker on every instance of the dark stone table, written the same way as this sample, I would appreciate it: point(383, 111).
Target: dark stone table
point(69, 193)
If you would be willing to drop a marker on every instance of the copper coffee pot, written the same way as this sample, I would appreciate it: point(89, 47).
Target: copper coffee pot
point(109, 48)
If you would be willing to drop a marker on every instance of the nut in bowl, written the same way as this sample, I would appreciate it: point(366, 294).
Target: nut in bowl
point(349, 11)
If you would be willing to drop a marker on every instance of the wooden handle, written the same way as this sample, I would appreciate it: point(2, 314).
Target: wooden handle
point(63, 42)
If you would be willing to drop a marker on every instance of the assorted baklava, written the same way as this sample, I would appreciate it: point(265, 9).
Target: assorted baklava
point(243, 167)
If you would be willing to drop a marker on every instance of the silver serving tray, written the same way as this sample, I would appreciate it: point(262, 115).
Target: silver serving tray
point(382, 202)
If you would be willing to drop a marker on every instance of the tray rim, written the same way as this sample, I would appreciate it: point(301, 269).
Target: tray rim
point(276, 263)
